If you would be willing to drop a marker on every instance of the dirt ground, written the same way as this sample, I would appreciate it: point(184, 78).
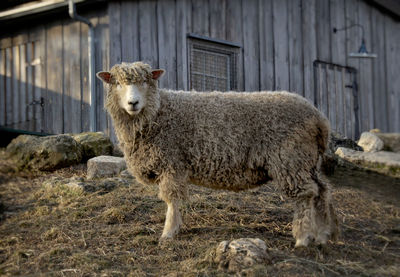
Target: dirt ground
point(58, 231)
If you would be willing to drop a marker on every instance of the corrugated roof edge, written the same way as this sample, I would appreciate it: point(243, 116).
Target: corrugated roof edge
point(34, 8)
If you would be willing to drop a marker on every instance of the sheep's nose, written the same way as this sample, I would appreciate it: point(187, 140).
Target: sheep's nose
point(133, 103)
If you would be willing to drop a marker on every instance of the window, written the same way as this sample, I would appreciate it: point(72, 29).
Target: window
point(212, 64)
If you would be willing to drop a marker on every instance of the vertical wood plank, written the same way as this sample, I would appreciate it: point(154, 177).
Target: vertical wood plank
point(281, 45)
point(365, 71)
point(167, 42)
point(234, 33)
point(9, 87)
point(130, 31)
point(188, 16)
point(102, 64)
point(267, 77)
point(331, 96)
point(353, 39)
point(323, 91)
point(379, 71)
point(148, 27)
point(295, 47)
point(114, 13)
point(217, 19)
point(2, 87)
point(29, 87)
point(251, 46)
point(53, 111)
point(85, 92)
point(37, 36)
point(23, 88)
point(340, 102)
point(181, 49)
point(200, 17)
point(323, 31)
point(16, 107)
point(72, 80)
point(392, 35)
point(309, 47)
point(338, 39)
point(350, 112)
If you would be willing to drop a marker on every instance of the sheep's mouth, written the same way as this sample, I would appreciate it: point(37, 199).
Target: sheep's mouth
point(133, 109)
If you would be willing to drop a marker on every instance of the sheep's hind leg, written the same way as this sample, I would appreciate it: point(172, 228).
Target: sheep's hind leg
point(314, 217)
point(326, 219)
point(303, 221)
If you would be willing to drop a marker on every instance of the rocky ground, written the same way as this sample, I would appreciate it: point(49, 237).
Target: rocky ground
point(61, 224)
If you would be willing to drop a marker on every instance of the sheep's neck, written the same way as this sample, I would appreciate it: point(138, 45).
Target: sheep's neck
point(130, 130)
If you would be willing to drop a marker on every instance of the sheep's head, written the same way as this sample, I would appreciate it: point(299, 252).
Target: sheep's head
point(133, 85)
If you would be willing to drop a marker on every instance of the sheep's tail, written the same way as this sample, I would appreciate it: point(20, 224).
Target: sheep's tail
point(323, 133)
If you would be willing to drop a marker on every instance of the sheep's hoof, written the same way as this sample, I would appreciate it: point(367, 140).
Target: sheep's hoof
point(303, 242)
point(165, 240)
point(322, 238)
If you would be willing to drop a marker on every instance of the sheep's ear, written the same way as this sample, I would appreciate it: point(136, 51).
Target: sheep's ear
point(157, 73)
point(105, 76)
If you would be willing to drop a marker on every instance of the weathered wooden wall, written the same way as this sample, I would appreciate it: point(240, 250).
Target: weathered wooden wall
point(50, 62)
point(280, 41)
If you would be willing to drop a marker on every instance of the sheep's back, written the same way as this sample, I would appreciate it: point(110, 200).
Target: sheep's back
point(216, 135)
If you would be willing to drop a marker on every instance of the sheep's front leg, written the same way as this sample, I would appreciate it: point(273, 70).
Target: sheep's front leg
point(173, 220)
point(172, 191)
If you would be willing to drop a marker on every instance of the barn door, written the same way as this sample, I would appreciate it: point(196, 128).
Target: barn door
point(336, 95)
point(20, 99)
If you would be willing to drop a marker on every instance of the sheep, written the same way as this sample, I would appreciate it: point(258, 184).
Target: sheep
point(232, 141)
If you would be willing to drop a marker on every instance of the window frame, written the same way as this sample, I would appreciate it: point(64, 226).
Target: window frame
point(217, 47)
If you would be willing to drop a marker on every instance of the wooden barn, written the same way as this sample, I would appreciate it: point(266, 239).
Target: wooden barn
point(316, 48)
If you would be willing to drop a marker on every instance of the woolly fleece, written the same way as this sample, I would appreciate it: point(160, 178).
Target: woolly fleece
point(233, 141)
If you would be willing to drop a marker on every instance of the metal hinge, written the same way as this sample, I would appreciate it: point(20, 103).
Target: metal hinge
point(37, 102)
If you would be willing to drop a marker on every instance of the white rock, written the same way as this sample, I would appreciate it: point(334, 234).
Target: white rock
point(105, 166)
point(370, 142)
point(76, 185)
point(384, 162)
point(242, 253)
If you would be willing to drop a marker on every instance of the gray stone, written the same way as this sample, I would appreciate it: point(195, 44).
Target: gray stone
point(104, 166)
point(94, 144)
point(237, 255)
point(384, 162)
point(391, 141)
point(330, 160)
point(44, 153)
point(370, 142)
point(337, 140)
point(125, 174)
